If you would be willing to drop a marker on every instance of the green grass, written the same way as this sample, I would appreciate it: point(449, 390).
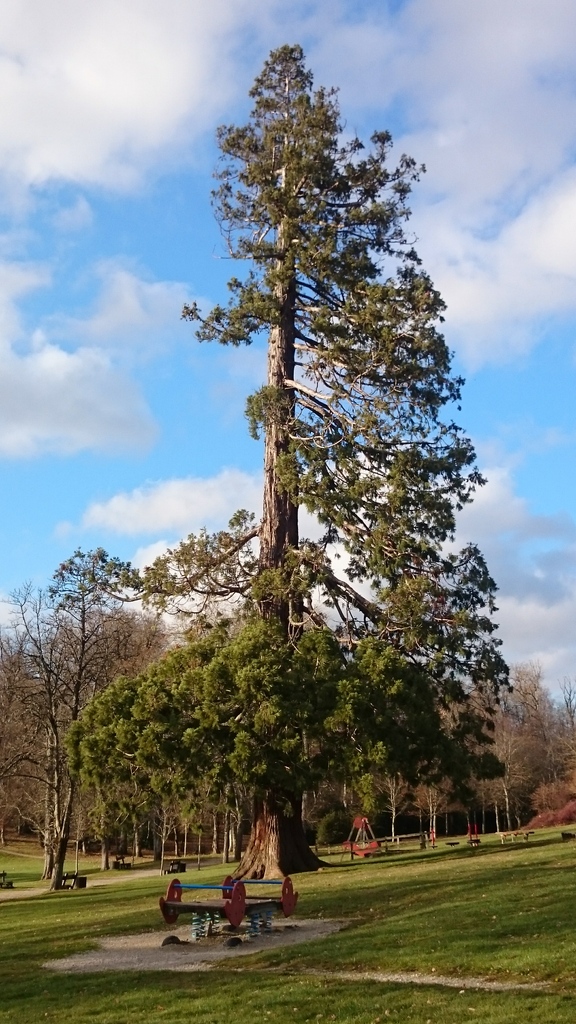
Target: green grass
point(505, 913)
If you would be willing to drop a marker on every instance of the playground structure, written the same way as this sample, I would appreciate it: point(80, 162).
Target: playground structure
point(363, 843)
point(233, 905)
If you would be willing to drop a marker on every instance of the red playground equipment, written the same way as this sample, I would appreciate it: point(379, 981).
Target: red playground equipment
point(473, 837)
point(364, 843)
point(232, 903)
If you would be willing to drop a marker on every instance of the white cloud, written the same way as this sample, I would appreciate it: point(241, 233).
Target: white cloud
point(53, 400)
point(57, 401)
point(178, 506)
point(502, 290)
point(148, 554)
point(533, 561)
point(484, 94)
point(91, 93)
point(533, 631)
point(127, 310)
point(16, 280)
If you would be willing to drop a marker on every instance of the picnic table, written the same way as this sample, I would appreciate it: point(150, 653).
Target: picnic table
point(522, 833)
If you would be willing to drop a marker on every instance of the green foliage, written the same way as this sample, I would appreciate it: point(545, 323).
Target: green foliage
point(202, 571)
point(241, 705)
point(334, 827)
point(92, 577)
point(229, 707)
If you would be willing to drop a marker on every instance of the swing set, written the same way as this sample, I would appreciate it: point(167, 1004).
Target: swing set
point(362, 842)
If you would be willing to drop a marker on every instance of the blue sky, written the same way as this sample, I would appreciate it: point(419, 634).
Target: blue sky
point(116, 427)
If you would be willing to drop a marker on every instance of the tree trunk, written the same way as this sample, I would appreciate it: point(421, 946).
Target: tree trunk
point(226, 840)
point(238, 838)
point(48, 833)
point(105, 853)
point(277, 844)
point(279, 527)
point(63, 823)
point(165, 827)
point(157, 840)
point(507, 809)
point(48, 867)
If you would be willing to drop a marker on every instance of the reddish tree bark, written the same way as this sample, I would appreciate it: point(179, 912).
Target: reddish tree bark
point(277, 844)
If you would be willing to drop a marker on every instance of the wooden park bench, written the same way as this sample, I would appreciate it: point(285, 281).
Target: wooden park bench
point(73, 880)
point(120, 864)
point(5, 883)
point(175, 867)
point(568, 835)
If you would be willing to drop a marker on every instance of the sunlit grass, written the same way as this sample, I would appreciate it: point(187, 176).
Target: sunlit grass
point(501, 912)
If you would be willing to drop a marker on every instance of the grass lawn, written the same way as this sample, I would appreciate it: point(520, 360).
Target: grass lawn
point(506, 913)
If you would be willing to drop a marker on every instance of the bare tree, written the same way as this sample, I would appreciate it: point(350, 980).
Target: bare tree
point(395, 793)
point(70, 642)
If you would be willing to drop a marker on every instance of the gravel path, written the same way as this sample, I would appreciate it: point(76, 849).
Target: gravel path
point(144, 952)
point(111, 878)
point(416, 978)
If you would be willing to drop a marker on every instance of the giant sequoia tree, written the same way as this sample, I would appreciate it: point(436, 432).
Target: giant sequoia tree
point(356, 420)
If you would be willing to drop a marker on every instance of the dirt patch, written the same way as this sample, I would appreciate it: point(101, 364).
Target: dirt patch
point(145, 952)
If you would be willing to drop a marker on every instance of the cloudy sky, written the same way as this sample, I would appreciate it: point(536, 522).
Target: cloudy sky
point(116, 427)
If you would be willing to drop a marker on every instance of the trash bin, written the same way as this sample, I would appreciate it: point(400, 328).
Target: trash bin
point(81, 881)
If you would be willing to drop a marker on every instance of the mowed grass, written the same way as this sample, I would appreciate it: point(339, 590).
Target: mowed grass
point(502, 913)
